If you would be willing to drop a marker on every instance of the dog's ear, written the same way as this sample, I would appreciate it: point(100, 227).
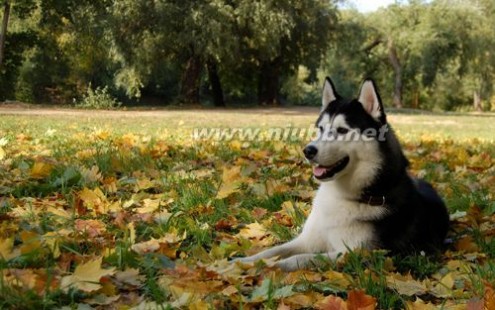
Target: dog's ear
point(329, 94)
point(370, 99)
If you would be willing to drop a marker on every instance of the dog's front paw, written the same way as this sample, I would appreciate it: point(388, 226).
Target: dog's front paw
point(288, 264)
point(243, 260)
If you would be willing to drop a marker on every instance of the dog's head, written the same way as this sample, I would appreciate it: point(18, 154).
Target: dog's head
point(350, 132)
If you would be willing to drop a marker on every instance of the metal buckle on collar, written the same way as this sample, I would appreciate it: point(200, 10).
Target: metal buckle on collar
point(375, 201)
point(370, 202)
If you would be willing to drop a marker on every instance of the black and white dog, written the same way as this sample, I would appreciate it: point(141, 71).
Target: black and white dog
point(366, 198)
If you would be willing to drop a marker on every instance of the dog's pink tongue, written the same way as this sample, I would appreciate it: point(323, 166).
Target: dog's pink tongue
point(319, 171)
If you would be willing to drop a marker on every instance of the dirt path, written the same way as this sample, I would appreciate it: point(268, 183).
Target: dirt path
point(25, 109)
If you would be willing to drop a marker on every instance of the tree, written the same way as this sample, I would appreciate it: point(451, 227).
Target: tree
point(287, 34)
point(3, 31)
point(190, 33)
point(13, 44)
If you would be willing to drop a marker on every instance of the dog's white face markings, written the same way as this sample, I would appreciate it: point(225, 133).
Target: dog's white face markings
point(364, 156)
point(331, 147)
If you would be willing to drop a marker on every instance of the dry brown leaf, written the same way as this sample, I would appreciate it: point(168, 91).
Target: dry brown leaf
point(358, 300)
point(129, 276)
point(474, 304)
point(489, 296)
point(91, 228)
point(331, 303)
point(406, 285)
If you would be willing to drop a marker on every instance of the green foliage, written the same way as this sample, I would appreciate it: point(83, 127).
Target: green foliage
point(246, 51)
point(98, 98)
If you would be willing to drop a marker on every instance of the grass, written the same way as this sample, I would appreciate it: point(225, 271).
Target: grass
point(133, 189)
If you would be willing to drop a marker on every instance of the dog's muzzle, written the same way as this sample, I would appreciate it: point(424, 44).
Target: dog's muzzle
point(310, 152)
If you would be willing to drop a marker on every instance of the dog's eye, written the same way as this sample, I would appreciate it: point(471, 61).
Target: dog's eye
point(342, 130)
point(321, 128)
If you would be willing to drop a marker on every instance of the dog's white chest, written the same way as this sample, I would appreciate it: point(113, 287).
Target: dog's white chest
point(336, 224)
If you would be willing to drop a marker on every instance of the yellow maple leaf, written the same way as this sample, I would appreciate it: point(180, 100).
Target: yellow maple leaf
point(94, 200)
point(88, 196)
point(230, 182)
point(337, 278)
point(149, 206)
point(7, 249)
point(30, 241)
point(52, 240)
point(41, 170)
point(253, 231)
point(86, 277)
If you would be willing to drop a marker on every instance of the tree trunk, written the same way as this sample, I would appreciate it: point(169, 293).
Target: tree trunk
point(394, 61)
point(190, 81)
point(3, 31)
point(268, 83)
point(477, 101)
point(416, 99)
point(216, 85)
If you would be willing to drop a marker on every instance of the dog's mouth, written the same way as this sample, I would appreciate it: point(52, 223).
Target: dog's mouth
point(326, 172)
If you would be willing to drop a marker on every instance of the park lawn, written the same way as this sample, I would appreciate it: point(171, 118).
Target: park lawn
point(125, 210)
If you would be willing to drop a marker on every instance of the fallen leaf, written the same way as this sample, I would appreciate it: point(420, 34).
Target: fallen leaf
point(129, 276)
point(92, 228)
point(86, 277)
point(41, 170)
point(419, 304)
point(31, 241)
point(331, 303)
point(7, 249)
point(230, 182)
point(489, 296)
point(474, 304)
point(253, 231)
point(406, 285)
point(358, 300)
point(149, 206)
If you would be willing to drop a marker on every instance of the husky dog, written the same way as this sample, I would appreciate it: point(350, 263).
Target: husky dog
point(366, 198)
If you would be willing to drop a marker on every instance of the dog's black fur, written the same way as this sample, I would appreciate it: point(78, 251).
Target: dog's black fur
point(417, 219)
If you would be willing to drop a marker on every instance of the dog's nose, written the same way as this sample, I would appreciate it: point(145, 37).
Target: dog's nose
point(310, 151)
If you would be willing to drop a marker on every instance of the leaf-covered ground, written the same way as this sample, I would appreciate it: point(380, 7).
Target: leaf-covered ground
point(132, 213)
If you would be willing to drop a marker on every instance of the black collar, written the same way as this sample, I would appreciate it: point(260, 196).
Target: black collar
point(374, 201)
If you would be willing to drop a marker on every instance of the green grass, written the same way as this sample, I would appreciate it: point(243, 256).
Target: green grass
point(175, 123)
point(133, 158)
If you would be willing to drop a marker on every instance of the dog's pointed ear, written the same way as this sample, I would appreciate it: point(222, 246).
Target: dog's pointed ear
point(329, 94)
point(370, 99)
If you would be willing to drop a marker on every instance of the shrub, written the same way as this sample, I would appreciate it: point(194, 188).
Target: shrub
point(98, 98)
